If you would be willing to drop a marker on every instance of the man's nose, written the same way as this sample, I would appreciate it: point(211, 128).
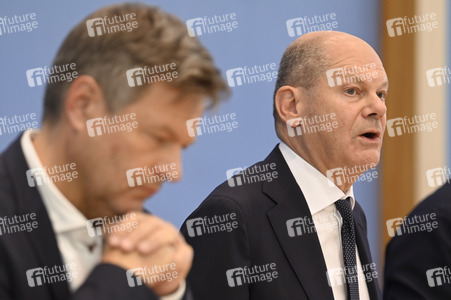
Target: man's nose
point(375, 107)
point(174, 161)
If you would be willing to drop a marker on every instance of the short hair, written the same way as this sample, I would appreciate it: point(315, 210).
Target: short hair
point(159, 39)
point(302, 64)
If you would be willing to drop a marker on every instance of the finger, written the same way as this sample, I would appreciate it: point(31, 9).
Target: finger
point(113, 237)
point(127, 240)
point(164, 236)
point(183, 259)
point(146, 230)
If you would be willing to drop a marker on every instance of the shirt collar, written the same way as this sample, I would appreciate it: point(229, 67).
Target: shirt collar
point(317, 188)
point(63, 214)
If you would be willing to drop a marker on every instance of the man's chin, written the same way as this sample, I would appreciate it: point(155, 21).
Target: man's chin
point(368, 159)
point(133, 200)
point(128, 206)
point(138, 193)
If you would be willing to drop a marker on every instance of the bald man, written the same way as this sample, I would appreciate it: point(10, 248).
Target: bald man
point(289, 227)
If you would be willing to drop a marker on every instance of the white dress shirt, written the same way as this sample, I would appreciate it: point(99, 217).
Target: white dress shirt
point(321, 196)
point(69, 225)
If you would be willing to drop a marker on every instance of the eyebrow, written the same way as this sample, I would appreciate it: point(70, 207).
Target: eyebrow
point(384, 84)
point(365, 82)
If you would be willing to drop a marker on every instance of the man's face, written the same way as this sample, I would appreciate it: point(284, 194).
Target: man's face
point(358, 105)
point(155, 146)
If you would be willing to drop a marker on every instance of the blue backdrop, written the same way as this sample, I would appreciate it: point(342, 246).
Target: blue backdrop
point(260, 37)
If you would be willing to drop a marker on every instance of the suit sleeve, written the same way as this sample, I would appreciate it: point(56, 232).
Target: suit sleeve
point(108, 281)
point(410, 255)
point(217, 250)
point(5, 278)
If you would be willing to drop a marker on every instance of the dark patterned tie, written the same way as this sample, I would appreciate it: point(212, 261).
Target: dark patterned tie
point(348, 244)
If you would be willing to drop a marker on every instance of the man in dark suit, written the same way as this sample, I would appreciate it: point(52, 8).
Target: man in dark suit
point(288, 227)
point(418, 258)
point(123, 85)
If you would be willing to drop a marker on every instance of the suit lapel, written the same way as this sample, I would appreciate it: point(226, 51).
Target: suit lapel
point(42, 239)
point(365, 255)
point(303, 252)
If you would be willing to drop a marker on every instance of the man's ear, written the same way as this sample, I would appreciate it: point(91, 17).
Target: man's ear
point(288, 102)
point(84, 101)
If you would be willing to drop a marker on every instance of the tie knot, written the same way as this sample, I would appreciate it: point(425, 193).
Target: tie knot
point(344, 207)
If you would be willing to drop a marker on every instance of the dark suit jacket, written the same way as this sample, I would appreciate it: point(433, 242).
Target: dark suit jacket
point(21, 251)
point(262, 210)
point(409, 256)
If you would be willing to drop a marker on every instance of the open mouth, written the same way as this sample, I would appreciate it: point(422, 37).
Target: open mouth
point(371, 135)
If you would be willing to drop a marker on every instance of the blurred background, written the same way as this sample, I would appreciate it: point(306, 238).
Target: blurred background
point(411, 36)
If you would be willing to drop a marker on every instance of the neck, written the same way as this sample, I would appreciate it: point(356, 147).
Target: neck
point(52, 150)
point(315, 161)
